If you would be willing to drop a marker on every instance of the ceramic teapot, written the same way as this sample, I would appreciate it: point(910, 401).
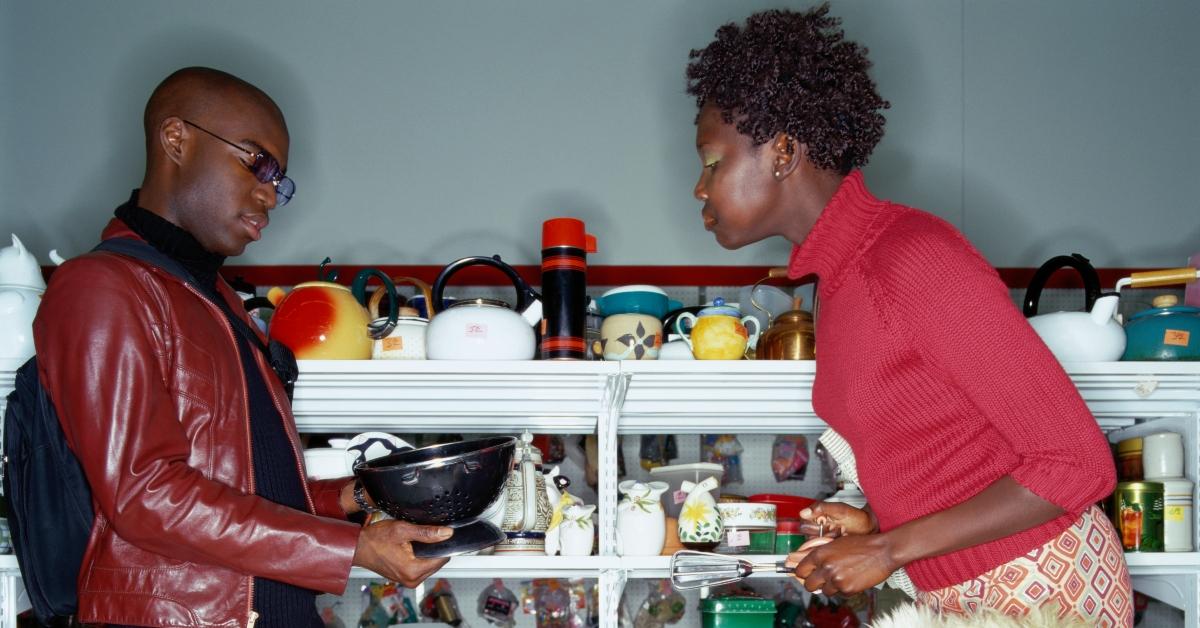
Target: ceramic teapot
point(1094, 335)
point(323, 320)
point(527, 510)
point(21, 288)
point(483, 329)
point(1168, 330)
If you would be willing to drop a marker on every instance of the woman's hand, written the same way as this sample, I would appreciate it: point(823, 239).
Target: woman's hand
point(836, 519)
point(845, 565)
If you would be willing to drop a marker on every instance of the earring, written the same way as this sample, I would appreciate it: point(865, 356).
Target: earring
point(778, 175)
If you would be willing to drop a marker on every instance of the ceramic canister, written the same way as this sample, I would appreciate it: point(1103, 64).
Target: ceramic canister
point(1162, 455)
point(405, 342)
point(630, 337)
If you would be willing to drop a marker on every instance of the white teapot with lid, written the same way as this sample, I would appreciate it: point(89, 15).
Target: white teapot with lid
point(21, 288)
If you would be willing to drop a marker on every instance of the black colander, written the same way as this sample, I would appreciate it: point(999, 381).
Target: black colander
point(446, 484)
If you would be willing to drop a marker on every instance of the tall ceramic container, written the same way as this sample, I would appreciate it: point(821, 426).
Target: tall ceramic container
point(577, 531)
point(700, 524)
point(641, 522)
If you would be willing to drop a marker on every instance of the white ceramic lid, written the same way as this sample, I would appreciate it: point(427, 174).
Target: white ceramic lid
point(635, 288)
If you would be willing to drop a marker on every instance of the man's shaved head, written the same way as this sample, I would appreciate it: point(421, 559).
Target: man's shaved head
point(194, 93)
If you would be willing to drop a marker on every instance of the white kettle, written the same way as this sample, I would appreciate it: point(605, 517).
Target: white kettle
point(483, 329)
point(21, 288)
point(1091, 336)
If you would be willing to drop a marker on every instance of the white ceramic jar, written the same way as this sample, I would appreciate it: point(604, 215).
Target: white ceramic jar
point(700, 524)
point(641, 522)
point(1177, 514)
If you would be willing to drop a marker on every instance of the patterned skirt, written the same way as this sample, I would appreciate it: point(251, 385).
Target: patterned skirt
point(1082, 571)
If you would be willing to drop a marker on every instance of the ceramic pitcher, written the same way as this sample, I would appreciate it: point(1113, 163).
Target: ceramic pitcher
point(641, 522)
point(700, 524)
point(527, 510)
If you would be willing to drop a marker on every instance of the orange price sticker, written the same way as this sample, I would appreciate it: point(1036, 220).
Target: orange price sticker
point(1176, 337)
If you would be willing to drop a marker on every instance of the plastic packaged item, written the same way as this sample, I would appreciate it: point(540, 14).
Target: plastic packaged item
point(552, 604)
point(662, 606)
point(440, 604)
point(497, 605)
point(789, 457)
point(725, 450)
point(657, 450)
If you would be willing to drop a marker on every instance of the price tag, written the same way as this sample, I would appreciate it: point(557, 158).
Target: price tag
point(737, 538)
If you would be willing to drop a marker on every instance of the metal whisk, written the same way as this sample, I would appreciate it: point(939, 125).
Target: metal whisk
point(692, 570)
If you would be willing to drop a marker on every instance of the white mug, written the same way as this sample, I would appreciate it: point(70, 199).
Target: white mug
point(1162, 455)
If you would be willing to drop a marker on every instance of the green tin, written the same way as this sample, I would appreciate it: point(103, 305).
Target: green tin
point(1137, 514)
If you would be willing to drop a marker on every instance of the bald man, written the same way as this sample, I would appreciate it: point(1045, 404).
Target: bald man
point(204, 516)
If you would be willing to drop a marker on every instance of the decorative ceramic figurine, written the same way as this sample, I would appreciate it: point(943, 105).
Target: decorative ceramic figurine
point(700, 524)
point(21, 288)
point(578, 531)
point(559, 499)
point(641, 522)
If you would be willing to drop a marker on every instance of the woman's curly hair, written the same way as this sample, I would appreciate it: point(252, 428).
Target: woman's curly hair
point(794, 73)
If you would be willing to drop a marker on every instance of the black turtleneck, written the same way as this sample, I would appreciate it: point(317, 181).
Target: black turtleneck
point(277, 479)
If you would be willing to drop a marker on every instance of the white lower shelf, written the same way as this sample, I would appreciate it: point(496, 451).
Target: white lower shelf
point(518, 567)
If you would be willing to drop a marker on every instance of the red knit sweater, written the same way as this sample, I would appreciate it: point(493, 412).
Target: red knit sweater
point(936, 380)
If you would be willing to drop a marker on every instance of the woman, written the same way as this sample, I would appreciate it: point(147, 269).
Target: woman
point(981, 462)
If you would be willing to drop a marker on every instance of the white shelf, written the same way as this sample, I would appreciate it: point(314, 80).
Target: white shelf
point(1140, 564)
point(450, 396)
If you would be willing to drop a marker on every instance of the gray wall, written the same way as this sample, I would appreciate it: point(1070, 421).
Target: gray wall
point(424, 131)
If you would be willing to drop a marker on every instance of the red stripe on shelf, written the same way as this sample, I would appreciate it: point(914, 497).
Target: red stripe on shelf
point(615, 275)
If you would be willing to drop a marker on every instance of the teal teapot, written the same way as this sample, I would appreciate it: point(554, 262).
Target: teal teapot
point(1166, 331)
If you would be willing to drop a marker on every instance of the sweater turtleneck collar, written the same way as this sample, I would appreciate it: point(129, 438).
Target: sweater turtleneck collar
point(171, 240)
point(841, 230)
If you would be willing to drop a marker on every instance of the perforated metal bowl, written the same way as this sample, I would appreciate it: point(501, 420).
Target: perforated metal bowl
point(440, 484)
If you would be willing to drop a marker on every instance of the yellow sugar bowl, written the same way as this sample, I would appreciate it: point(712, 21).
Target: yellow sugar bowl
point(718, 332)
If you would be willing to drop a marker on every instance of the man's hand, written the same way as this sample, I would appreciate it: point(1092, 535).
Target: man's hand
point(836, 519)
point(843, 566)
point(385, 547)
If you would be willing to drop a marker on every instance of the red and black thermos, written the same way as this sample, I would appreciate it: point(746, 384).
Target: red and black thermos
point(565, 246)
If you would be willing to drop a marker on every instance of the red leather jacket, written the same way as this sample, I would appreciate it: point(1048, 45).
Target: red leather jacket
point(147, 382)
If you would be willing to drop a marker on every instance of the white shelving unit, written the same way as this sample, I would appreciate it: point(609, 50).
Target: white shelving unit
point(612, 398)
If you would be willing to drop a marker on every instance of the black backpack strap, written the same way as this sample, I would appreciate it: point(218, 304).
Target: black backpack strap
point(281, 359)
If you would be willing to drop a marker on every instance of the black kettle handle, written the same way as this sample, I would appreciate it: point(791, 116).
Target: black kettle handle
point(525, 294)
point(1091, 281)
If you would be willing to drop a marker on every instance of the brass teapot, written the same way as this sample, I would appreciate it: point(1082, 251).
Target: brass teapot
point(790, 337)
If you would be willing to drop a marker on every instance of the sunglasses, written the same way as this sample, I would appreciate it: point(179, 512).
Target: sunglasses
point(265, 168)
